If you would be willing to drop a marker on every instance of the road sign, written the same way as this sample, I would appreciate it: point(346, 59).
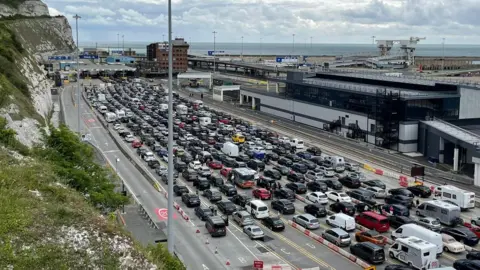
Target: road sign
point(258, 264)
point(286, 59)
point(117, 52)
point(59, 57)
point(86, 56)
point(211, 53)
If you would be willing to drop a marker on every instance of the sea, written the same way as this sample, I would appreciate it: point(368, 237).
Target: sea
point(285, 49)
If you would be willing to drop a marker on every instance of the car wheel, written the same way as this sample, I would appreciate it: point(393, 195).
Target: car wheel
point(357, 238)
point(338, 200)
point(417, 213)
point(391, 255)
point(474, 222)
point(337, 243)
point(445, 249)
point(328, 222)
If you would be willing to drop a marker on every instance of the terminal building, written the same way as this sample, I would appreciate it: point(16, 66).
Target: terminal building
point(157, 53)
point(406, 115)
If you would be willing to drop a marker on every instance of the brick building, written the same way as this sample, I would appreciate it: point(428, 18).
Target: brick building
point(158, 52)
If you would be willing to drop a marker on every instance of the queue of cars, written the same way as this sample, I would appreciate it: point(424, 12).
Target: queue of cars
point(201, 158)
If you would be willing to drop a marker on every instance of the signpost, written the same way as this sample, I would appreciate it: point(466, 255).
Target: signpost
point(87, 56)
point(59, 57)
point(287, 59)
point(211, 53)
point(258, 264)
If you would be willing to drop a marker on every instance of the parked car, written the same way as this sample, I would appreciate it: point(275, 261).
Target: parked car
point(307, 221)
point(283, 206)
point(371, 236)
point(254, 232)
point(203, 212)
point(338, 196)
point(273, 223)
point(261, 193)
point(369, 252)
point(337, 236)
point(452, 245)
point(315, 209)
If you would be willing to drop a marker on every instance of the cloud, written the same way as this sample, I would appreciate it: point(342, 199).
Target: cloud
point(327, 21)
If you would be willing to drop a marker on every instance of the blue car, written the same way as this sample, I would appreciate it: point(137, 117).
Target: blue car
point(162, 152)
point(304, 155)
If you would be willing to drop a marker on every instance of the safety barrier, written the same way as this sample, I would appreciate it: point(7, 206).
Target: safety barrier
point(179, 209)
point(331, 246)
point(138, 166)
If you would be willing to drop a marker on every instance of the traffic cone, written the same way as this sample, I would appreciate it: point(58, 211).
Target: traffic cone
point(216, 250)
point(198, 231)
point(228, 262)
point(207, 242)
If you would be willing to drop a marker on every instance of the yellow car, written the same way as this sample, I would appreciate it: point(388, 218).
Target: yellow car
point(238, 138)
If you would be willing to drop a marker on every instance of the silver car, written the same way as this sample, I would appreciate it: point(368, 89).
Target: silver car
point(377, 192)
point(307, 221)
point(254, 232)
point(337, 236)
point(429, 223)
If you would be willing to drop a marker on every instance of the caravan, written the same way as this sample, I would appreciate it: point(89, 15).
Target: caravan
point(444, 212)
point(464, 199)
point(110, 117)
point(415, 230)
point(415, 252)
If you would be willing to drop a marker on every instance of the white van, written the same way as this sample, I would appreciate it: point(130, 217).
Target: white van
point(343, 221)
point(415, 252)
point(110, 117)
point(411, 229)
point(120, 114)
point(103, 109)
point(204, 121)
point(464, 199)
point(230, 149)
point(163, 107)
point(297, 143)
point(257, 209)
point(338, 163)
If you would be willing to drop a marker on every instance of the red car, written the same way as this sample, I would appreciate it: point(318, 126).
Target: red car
point(225, 171)
point(217, 165)
point(137, 144)
point(261, 193)
point(224, 120)
point(194, 118)
point(474, 229)
point(211, 140)
point(181, 125)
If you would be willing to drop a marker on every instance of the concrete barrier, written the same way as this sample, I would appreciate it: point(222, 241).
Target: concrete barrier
point(331, 246)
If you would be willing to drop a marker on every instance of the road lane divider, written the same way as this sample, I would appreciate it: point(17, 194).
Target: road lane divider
point(328, 244)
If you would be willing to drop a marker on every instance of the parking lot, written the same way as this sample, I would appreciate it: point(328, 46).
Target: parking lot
point(144, 127)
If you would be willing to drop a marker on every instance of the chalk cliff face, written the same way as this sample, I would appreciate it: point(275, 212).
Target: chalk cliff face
point(30, 8)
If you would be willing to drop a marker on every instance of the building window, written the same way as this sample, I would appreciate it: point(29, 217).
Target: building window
point(372, 128)
point(343, 121)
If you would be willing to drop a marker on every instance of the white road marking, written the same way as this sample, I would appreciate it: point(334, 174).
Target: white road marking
point(111, 151)
point(284, 251)
point(205, 267)
point(310, 245)
point(242, 260)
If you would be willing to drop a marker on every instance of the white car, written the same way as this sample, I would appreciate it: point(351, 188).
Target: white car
point(254, 232)
point(117, 126)
point(452, 245)
point(317, 197)
point(268, 146)
point(377, 192)
point(195, 165)
point(283, 139)
point(338, 196)
point(129, 138)
point(148, 156)
point(327, 172)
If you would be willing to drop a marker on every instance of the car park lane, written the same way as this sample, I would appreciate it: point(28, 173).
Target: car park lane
point(188, 243)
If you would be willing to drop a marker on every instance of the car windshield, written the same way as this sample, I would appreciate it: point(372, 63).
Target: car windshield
point(345, 236)
point(256, 230)
point(314, 220)
point(435, 222)
point(262, 208)
point(343, 195)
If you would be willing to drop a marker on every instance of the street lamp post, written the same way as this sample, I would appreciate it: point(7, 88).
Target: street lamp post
point(373, 43)
point(293, 44)
point(214, 50)
point(242, 48)
point(311, 47)
point(118, 41)
point(443, 54)
point(76, 17)
point(123, 184)
point(261, 49)
point(170, 231)
point(123, 53)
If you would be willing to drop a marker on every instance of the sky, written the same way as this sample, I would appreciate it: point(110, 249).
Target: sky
point(274, 21)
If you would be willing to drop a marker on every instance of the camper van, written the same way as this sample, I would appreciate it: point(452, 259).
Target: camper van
point(120, 114)
point(297, 143)
point(204, 121)
point(444, 212)
point(182, 109)
point(110, 117)
point(230, 149)
point(103, 109)
point(464, 199)
point(415, 230)
point(415, 252)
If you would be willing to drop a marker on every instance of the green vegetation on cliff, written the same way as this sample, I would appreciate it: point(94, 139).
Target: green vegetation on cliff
point(49, 203)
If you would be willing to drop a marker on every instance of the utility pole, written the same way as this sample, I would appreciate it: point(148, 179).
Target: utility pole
point(242, 49)
point(261, 50)
point(443, 54)
point(76, 17)
point(123, 54)
point(293, 44)
point(170, 231)
point(118, 41)
point(373, 43)
point(311, 47)
point(123, 184)
point(214, 51)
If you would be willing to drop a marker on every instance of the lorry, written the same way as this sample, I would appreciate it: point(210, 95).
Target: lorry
point(230, 149)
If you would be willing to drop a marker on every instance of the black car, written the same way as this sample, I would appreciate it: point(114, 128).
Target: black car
point(375, 183)
point(180, 166)
point(165, 179)
point(240, 199)
point(285, 162)
point(215, 180)
point(227, 207)
point(190, 200)
point(461, 234)
point(333, 184)
point(401, 191)
point(180, 190)
point(190, 175)
point(272, 156)
point(282, 169)
point(310, 164)
point(314, 150)
point(243, 158)
point(420, 190)
point(212, 196)
point(265, 182)
point(362, 195)
point(273, 223)
point(398, 209)
point(295, 177)
point(399, 199)
point(317, 186)
point(279, 151)
point(293, 157)
point(397, 221)
point(284, 206)
point(350, 182)
point(473, 255)
point(228, 189)
point(299, 168)
point(256, 165)
point(369, 252)
point(272, 174)
point(203, 212)
point(298, 188)
point(201, 183)
point(398, 267)
point(315, 209)
point(465, 264)
point(344, 207)
point(284, 193)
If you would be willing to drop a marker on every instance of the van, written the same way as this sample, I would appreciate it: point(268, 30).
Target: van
point(342, 220)
point(445, 212)
point(103, 109)
point(464, 199)
point(297, 143)
point(415, 252)
point(373, 221)
point(216, 226)
point(243, 218)
point(338, 163)
point(369, 252)
point(257, 209)
point(163, 107)
point(230, 149)
point(420, 232)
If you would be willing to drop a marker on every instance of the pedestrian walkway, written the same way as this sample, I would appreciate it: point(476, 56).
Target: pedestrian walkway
point(140, 228)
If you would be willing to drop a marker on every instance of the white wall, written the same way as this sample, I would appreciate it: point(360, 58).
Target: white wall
point(469, 103)
point(408, 132)
point(407, 148)
point(276, 113)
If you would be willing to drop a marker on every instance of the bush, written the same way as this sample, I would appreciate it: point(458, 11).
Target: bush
point(7, 138)
point(159, 254)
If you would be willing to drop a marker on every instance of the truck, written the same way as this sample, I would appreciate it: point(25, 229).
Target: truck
point(230, 149)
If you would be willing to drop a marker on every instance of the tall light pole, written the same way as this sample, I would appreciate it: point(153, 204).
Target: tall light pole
point(311, 47)
point(170, 231)
point(76, 17)
point(123, 52)
point(123, 184)
point(118, 41)
point(293, 44)
point(214, 51)
point(373, 43)
point(261, 49)
point(242, 48)
point(443, 54)
point(163, 37)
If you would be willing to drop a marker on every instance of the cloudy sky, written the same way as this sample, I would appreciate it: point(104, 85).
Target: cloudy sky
point(274, 21)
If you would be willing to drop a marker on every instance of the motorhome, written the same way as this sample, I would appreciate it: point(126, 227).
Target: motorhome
point(420, 232)
point(120, 114)
point(297, 143)
point(462, 198)
point(444, 212)
point(110, 117)
point(182, 109)
point(204, 121)
point(415, 252)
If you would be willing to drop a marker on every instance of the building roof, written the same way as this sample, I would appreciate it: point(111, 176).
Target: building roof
point(454, 131)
